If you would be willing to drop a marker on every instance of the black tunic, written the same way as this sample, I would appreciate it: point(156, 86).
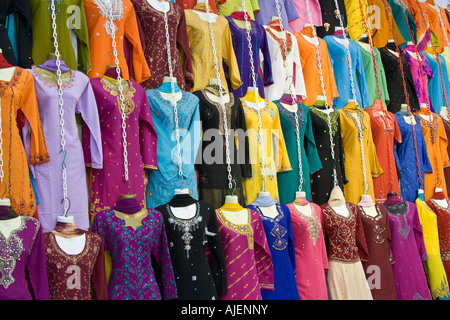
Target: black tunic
point(200, 273)
point(21, 9)
point(212, 173)
point(329, 16)
point(394, 80)
point(322, 181)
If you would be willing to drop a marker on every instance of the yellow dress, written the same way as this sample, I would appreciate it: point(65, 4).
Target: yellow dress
point(355, 20)
point(354, 188)
point(202, 57)
point(434, 269)
point(276, 156)
point(227, 7)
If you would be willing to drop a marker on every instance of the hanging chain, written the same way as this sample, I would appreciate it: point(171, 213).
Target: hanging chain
point(294, 100)
point(255, 87)
point(172, 96)
point(61, 108)
point(322, 84)
point(221, 101)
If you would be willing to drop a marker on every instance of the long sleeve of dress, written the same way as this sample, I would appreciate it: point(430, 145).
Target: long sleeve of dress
point(291, 242)
point(375, 167)
point(24, 33)
point(183, 42)
point(81, 31)
point(37, 267)
point(148, 138)
point(229, 57)
point(263, 257)
point(418, 233)
point(99, 282)
point(267, 65)
point(361, 78)
point(242, 143)
point(87, 107)
point(363, 250)
point(310, 145)
point(280, 153)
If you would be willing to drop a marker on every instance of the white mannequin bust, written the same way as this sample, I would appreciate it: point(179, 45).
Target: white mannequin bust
point(73, 245)
point(9, 225)
point(162, 6)
point(211, 17)
point(368, 205)
point(167, 96)
point(255, 104)
point(443, 203)
point(216, 98)
point(428, 117)
point(312, 40)
point(304, 209)
point(6, 74)
point(345, 42)
point(270, 211)
point(187, 212)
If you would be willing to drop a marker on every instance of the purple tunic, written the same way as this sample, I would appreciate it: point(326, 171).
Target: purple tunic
point(132, 275)
point(109, 183)
point(259, 44)
point(23, 265)
point(408, 250)
point(78, 99)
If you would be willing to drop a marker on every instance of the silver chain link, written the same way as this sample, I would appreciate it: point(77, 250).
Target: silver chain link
point(61, 108)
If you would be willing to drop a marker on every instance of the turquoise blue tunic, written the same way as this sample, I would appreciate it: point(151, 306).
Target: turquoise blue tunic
point(435, 88)
point(163, 182)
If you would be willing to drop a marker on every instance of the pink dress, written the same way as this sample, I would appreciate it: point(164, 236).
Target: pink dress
point(298, 24)
point(310, 253)
point(247, 257)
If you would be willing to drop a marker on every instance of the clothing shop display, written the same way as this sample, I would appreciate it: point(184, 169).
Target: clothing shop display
point(267, 10)
point(438, 87)
point(297, 25)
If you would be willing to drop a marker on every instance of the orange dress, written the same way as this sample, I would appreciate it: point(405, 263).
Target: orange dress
point(438, 24)
point(100, 41)
point(415, 8)
point(308, 60)
point(18, 99)
point(384, 132)
point(436, 140)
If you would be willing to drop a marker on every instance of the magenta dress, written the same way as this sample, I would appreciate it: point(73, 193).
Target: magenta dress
point(310, 253)
point(109, 183)
point(408, 250)
point(247, 257)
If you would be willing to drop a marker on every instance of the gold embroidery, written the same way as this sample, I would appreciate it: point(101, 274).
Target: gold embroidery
point(128, 93)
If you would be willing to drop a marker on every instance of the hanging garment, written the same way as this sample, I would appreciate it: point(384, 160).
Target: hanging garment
point(371, 76)
point(416, 10)
point(434, 268)
point(212, 169)
point(245, 245)
point(443, 226)
point(404, 20)
point(311, 259)
point(346, 249)
point(268, 10)
point(384, 131)
point(446, 123)
point(393, 73)
point(23, 265)
point(18, 97)
point(76, 276)
point(228, 7)
point(287, 71)
point(438, 24)
point(202, 50)
point(70, 24)
point(280, 239)
point(357, 18)
point(297, 25)
point(308, 57)
point(437, 84)
point(330, 17)
point(190, 4)
point(275, 153)
point(408, 250)
point(155, 50)
point(289, 181)
point(338, 57)
point(355, 187)
point(322, 181)
point(378, 267)
point(101, 29)
point(108, 183)
point(436, 140)
point(260, 54)
point(196, 278)
point(22, 12)
point(162, 182)
point(132, 252)
point(78, 98)
point(407, 163)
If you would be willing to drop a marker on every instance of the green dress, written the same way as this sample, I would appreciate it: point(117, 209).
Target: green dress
point(371, 78)
point(288, 182)
point(70, 24)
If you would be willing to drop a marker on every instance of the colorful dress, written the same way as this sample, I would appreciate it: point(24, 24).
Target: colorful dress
point(18, 98)
point(355, 187)
point(276, 157)
point(434, 268)
point(347, 247)
point(280, 237)
point(123, 25)
point(260, 50)
point(247, 256)
point(189, 4)
point(437, 84)
point(76, 276)
point(228, 7)
point(162, 182)
point(311, 261)
point(108, 183)
point(70, 19)
point(23, 265)
point(268, 10)
point(155, 51)
point(408, 250)
point(289, 181)
point(202, 50)
point(78, 99)
point(298, 24)
point(378, 267)
point(132, 252)
point(330, 18)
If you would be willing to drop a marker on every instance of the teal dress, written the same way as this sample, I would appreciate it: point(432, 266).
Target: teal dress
point(288, 182)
